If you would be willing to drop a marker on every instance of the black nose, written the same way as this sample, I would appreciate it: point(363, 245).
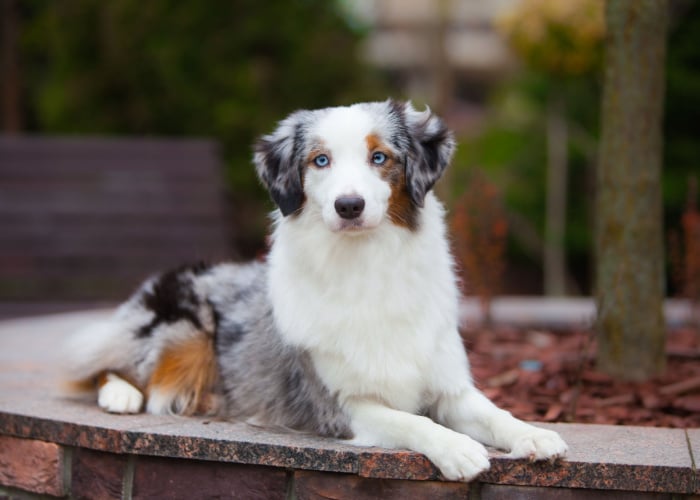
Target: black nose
point(349, 207)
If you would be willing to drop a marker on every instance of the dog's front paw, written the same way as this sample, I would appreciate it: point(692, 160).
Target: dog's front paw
point(460, 458)
point(538, 444)
point(119, 396)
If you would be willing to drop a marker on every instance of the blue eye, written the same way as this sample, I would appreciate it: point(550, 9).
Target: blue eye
point(378, 158)
point(321, 161)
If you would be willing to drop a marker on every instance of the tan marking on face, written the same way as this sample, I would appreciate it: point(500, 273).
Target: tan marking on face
point(318, 149)
point(401, 210)
point(187, 367)
point(374, 143)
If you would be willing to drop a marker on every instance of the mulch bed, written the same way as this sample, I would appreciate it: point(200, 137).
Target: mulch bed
point(551, 377)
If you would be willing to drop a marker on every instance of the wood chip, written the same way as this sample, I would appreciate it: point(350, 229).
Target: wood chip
point(651, 401)
point(621, 399)
point(687, 403)
point(595, 377)
point(504, 379)
point(569, 379)
point(553, 413)
point(687, 385)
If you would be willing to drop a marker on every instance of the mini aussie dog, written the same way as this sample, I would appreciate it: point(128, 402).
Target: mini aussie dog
point(348, 330)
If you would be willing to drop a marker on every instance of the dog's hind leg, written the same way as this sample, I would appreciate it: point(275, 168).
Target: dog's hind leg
point(183, 378)
point(116, 395)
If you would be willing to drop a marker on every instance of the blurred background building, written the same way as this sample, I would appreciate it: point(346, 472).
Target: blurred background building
point(436, 51)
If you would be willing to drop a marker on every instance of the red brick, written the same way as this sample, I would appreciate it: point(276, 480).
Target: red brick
point(186, 479)
point(31, 465)
point(97, 475)
point(507, 492)
point(322, 485)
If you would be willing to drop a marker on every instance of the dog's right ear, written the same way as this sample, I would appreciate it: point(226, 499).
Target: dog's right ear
point(278, 161)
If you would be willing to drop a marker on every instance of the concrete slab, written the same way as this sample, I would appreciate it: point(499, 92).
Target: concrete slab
point(557, 313)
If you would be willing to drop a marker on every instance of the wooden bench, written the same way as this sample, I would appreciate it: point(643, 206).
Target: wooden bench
point(86, 219)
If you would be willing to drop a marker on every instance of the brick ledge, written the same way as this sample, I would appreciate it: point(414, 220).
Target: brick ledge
point(603, 460)
point(601, 457)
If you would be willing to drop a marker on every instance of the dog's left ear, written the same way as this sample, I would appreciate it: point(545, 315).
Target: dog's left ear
point(432, 146)
point(278, 162)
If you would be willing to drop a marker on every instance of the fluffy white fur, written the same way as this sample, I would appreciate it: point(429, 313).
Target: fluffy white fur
point(119, 396)
point(376, 306)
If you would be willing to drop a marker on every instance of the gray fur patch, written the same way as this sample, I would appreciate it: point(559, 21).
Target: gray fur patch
point(432, 146)
point(261, 377)
point(278, 159)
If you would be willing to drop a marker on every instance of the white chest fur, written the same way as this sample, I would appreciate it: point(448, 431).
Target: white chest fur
point(377, 311)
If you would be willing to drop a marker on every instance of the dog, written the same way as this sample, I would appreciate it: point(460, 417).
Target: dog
point(349, 329)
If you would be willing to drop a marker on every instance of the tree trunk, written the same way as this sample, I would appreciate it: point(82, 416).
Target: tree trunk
point(629, 233)
point(555, 220)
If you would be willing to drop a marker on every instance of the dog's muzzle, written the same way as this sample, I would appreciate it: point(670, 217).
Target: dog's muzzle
point(349, 207)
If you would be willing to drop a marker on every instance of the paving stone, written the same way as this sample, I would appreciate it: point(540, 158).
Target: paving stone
point(97, 475)
point(187, 479)
point(607, 457)
point(693, 439)
point(31, 465)
point(316, 486)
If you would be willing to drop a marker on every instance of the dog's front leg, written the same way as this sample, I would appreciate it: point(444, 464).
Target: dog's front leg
point(458, 457)
point(472, 413)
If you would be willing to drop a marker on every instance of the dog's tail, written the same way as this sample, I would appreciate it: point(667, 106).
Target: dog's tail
point(159, 343)
point(94, 350)
point(174, 373)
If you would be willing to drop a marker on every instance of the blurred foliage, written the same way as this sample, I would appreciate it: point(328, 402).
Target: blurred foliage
point(682, 158)
point(480, 232)
point(555, 36)
point(682, 134)
point(231, 69)
point(227, 69)
point(684, 250)
point(511, 147)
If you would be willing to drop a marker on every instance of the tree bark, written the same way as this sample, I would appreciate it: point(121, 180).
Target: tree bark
point(629, 229)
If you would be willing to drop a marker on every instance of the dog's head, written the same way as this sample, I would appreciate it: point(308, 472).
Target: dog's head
point(356, 166)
